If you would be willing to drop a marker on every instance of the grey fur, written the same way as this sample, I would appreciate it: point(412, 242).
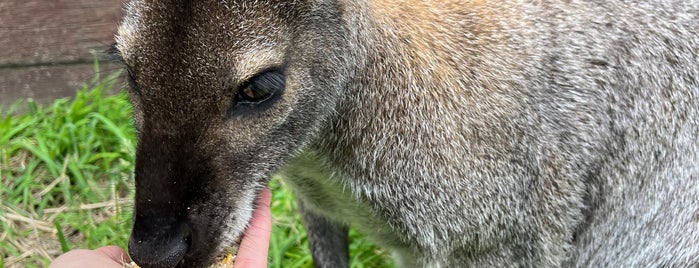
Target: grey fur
point(454, 133)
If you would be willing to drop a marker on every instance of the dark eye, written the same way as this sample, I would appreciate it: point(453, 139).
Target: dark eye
point(261, 88)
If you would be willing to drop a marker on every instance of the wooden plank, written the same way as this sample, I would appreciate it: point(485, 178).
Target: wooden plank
point(43, 43)
point(36, 32)
point(47, 83)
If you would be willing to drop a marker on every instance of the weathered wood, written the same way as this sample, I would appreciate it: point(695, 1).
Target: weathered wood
point(42, 32)
point(46, 83)
point(47, 46)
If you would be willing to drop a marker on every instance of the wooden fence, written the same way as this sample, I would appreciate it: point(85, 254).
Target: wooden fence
point(47, 47)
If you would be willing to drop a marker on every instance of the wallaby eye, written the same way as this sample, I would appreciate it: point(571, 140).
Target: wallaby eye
point(261, 87)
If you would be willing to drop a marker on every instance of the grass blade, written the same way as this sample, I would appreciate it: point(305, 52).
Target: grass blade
point(61, 238)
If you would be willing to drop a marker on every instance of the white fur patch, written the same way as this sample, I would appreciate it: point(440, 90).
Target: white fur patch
point(237, 221)
point(128, 30)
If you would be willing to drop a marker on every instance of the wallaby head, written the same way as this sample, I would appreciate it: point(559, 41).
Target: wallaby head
point(223, 93)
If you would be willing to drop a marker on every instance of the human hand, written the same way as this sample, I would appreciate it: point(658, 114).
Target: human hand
point(107, 257)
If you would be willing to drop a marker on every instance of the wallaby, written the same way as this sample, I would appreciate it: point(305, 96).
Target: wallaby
point(453, 133)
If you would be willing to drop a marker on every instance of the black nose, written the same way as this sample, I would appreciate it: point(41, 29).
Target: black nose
point(159, 242)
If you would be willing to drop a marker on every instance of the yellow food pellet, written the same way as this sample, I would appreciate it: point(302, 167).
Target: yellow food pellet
point(227, 262)
point(230, 259)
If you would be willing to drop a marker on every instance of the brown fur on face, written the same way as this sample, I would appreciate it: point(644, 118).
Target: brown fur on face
point(455, 133)
point(201, 158)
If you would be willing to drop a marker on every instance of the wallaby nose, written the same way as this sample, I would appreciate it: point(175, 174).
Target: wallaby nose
point(159, 242)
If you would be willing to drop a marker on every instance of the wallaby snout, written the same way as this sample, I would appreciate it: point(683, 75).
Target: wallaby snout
point(455, 133)
point(171, 225)
point(159, 242)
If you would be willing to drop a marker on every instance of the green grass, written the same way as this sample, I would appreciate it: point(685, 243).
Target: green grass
point(66, 182)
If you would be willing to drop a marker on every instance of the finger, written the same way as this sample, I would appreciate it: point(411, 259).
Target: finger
point(265, 198)
point(84, 258)
point(255, 245)
point(115, 253)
